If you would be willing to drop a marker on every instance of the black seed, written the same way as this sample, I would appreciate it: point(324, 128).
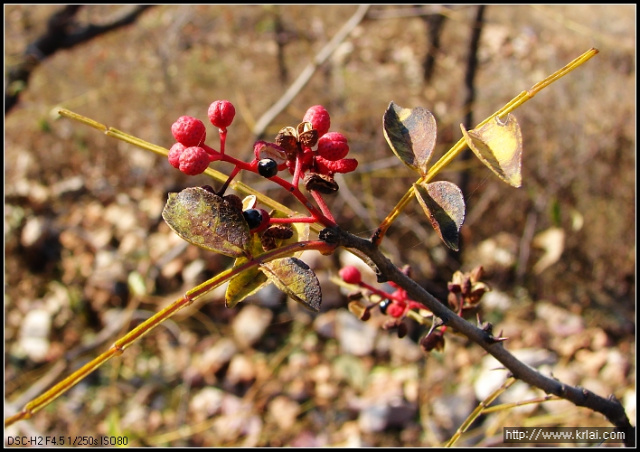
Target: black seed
point(384, 304)
point(253, 217)
point(267, 167)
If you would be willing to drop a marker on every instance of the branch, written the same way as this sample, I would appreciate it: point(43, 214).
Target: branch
point(611, 408)
point(308, 71)
point(62, 32)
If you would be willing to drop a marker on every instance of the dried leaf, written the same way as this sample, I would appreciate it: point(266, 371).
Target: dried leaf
point(444, 205)
point(552, 242)
point(499, 146)
point(411, 133)
point(206, 220)
point(296, 279)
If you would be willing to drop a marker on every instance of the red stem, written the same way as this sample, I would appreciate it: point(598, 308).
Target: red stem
point(223, 139)
point(323, 205)
point(324, 217)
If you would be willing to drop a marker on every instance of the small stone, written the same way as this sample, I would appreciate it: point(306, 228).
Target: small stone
point(250, 324)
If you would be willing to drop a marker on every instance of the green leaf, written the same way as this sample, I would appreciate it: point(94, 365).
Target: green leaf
point(296, 279)
point(411, 134)
point(444, 205)
point(209, 221)
point(499, 146)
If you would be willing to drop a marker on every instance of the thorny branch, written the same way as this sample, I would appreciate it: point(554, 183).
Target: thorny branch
point(63, 32)
point(611, 408)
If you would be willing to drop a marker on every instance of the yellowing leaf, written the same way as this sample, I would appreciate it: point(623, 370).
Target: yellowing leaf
point(249, 281)
point(411, 134)
point(499, 146)
point(296, 279)
point(444, 205)
point(207, 220)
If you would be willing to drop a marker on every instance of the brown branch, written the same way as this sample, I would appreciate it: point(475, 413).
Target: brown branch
point(435, 24)
point(470, 97)
point(63, 32)
point(309, 70)
point(611, 408)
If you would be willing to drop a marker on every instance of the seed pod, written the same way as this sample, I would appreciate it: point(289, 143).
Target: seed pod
point(307, 135)
point(279, 231)
point(320, 182)
point(287, 139)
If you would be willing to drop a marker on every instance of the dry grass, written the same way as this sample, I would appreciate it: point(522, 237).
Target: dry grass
point(72, 253)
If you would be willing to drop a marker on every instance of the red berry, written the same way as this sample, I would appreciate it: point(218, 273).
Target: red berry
point(333, 146)
point(318, 116)
point(189, 131)
point(325, 166)
point(395, 309)
point(194, 160)
point(221, 113)
point(174, 154)
point(350, 274)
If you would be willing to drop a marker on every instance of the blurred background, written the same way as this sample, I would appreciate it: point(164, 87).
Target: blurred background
point(88, 256)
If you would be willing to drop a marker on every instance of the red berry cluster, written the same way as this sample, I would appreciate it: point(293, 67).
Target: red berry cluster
point(332, 147)
point(189, 154)
point(310, 152)
point(465, 291)
point(396, 304)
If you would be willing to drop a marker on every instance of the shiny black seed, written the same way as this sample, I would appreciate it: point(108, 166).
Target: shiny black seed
point(253, 217)
point(384, 304)
point(267, 167)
